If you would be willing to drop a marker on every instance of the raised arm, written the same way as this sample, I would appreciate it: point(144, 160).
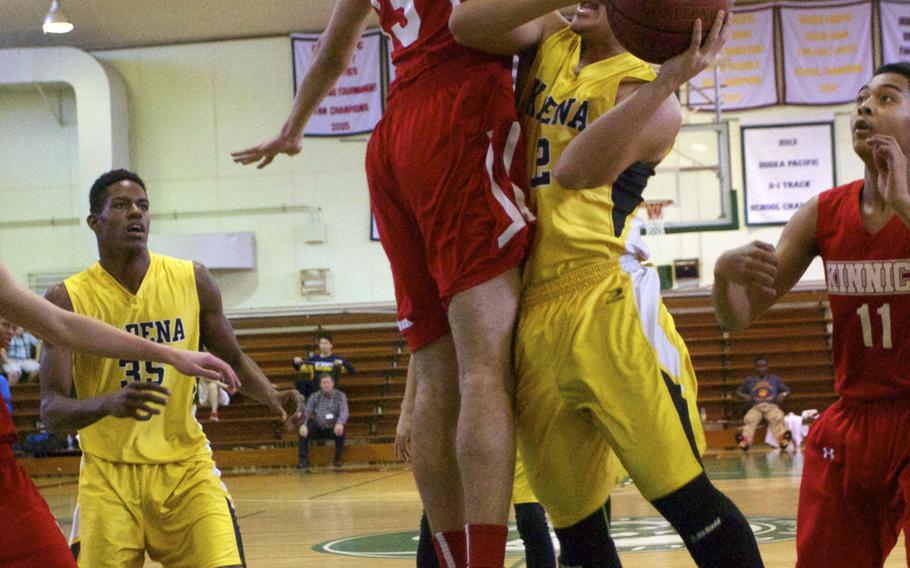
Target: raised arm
point(643, 125)
point(750, 279)
point(218, 337)
point(61, 412)
point(79, 333)
point(891, 173)
point(506, 28)
point(333, 53)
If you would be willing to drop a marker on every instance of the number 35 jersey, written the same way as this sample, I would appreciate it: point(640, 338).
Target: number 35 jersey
point(868, 281)
point(165, 309)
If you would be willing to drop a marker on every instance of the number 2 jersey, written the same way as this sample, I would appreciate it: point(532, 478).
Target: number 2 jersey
point(165, 309)
point(868, 281)
point(577, 228)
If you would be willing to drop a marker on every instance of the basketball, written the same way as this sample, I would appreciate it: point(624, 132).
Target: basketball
point(656, 31)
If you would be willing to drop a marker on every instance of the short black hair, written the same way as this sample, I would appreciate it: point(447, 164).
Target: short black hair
point(98, 193)
point(324, 375)
point(902, 68)
point(324, 336)
point(760, 358)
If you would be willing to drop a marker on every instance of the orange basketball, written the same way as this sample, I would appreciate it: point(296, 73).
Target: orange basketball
point(656, 30)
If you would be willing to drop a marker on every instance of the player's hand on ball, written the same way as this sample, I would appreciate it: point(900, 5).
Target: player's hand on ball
point(700, 55)
point(207, 366)
point(753, 265)
point(138, 400)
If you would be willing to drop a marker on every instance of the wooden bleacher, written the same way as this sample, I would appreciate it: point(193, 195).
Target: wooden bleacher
point(795, 336)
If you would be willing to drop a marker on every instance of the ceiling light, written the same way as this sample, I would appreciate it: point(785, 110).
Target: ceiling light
point(56, 21)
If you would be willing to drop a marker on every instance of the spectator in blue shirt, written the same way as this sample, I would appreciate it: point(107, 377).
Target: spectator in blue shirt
point(5, 394)
point(19, 361)
point(764, 391)
point(309, 369)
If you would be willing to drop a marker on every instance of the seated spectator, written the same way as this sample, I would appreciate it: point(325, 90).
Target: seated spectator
point(213, 395)
point(309, 369)
point(19, 360)
point(324, 418)
point(764, 391)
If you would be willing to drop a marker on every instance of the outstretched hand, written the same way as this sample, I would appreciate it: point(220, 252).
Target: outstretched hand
point(284, 400)
point(891, 164)
point(264, 153)
point(701, 53)
point(753, 265)
point(207, 366)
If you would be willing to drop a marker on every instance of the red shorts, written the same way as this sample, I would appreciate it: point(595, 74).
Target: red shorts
point(855, 485)
point(30, 538)
point(446, 172)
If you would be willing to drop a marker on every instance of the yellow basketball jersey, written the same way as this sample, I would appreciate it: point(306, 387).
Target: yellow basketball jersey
point(165, 309)
point(575, 228)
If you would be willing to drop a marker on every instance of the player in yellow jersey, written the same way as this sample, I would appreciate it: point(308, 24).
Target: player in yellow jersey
point(598, 360)
point(147, 481)
point(31, 536)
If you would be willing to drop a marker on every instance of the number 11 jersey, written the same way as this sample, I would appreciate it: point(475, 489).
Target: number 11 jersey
point(868, 281)
point(165, 309)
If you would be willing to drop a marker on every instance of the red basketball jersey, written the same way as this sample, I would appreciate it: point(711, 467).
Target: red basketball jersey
point(868, 279)
point(7, 428)
point(419, 30)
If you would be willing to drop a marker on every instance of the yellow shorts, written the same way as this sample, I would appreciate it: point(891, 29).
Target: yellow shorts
point(521, 489)
point(600, 365)
point(180, 513)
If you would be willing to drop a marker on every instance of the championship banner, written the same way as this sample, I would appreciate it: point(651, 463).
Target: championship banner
point(895, 26)
point(827, 52)
point(747, 76)
point(354, 105)
point(783, 167)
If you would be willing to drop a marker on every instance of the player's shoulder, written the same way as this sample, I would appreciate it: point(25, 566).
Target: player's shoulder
point(59, 296)
point(836, 195)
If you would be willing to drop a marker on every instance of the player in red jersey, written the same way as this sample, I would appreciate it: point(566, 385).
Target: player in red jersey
point(30, 536)
point(855, 487)
point(440, 166)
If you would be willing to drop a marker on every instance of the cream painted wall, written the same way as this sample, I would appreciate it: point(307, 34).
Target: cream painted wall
point(190, 105)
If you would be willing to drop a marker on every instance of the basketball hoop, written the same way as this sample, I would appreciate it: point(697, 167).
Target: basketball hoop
point(656, 225)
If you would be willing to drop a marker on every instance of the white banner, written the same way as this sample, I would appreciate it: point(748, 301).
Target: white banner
point(747, 75)
point(895, 26)
point(354, 105)
point(827, 52)
point(783, 167)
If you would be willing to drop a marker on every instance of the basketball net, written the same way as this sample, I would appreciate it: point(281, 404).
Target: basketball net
point(656, 225)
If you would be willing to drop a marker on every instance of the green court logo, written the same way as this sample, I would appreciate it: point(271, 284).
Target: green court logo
point(631, 534)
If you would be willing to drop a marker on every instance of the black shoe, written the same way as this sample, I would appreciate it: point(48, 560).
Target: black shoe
point(303, 465)
point(785, 440)
point(337, 463)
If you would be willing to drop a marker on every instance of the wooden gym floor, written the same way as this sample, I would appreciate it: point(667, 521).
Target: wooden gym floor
point(291, 519)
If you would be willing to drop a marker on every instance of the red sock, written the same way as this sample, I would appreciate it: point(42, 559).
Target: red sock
point(486, 545)
point(451, 550)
